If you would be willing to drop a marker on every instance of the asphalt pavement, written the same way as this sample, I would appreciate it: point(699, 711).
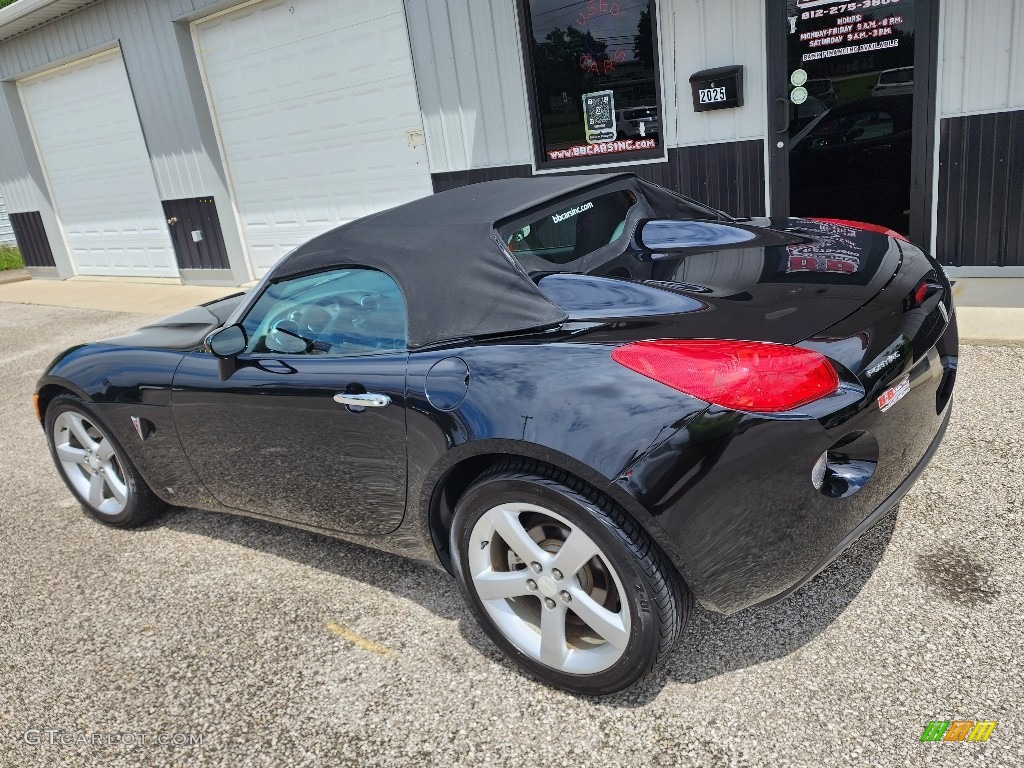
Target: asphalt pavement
point(209, 640)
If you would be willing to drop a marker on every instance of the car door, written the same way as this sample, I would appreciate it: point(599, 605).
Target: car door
point(309, 426)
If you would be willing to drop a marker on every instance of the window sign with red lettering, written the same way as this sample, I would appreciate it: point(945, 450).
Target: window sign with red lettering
point(595, 84)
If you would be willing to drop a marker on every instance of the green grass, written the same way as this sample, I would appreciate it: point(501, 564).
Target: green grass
point(5, 3)
point(10, 257)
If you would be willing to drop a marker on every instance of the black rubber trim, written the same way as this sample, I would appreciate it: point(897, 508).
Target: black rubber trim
point(883, 509)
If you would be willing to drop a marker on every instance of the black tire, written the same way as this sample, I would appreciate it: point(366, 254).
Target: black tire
point(658, 602)
point(141, 506)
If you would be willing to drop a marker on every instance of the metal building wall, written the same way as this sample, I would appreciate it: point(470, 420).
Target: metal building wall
point(469, 74)
point(161, 66)
point(701, 34)
point(979, 195)
point(19, 189)
point(6, 232)
point(471, 80)
point(981, 66)
point(154, 64)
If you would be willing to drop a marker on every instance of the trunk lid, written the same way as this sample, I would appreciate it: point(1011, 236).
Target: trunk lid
point(783, 281)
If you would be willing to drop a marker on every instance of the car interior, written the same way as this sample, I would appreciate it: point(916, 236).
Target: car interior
point(578, 234)
point(339, 312)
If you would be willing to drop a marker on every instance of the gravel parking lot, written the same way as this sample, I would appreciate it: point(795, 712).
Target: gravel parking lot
point(283, 648)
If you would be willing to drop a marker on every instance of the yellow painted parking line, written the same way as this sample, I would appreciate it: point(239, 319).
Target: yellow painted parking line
point(355, 639)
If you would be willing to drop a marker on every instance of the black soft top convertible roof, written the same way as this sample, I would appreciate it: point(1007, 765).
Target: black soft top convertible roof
point(457, 280)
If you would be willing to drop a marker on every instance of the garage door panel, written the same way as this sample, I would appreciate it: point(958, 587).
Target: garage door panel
point(282, 22)
point(98, 168)
point(353, 116)
point(333, 59)
point(313, 116)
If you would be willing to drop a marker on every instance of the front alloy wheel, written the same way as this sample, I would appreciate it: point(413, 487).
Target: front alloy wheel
point(563, 580)
point(89, 462)
point(95, 467)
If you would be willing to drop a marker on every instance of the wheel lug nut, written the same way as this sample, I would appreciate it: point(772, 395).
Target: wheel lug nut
point(536, 567)
point(549, 602)
point(556, 574)
point(566, 597)
point(531, 585)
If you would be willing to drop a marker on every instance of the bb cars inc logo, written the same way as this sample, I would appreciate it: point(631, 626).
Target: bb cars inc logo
point(891, 396)
point(958, 730)
point(571, 212)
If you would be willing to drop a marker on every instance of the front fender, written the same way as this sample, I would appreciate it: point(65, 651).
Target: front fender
point(122, 383)
point(103, 373)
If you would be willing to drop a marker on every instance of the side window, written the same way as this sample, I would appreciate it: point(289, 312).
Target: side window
point(338, 313)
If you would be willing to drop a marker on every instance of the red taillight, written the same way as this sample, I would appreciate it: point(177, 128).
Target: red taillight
point(865, 226)
point(921, 293)
point(742, 375)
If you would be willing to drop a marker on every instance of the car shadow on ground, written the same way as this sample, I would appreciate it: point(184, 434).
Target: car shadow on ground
point(712, 645)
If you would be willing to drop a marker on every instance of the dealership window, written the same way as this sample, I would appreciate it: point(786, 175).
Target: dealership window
point(595, 87)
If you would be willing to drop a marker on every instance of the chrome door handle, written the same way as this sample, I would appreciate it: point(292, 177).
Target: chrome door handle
point(368, 400)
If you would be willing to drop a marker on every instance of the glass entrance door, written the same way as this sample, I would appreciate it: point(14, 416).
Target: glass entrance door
point(844, 109)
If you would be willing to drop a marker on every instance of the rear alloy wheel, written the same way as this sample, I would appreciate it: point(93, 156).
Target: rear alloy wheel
point(95, 467)
point(564, 581)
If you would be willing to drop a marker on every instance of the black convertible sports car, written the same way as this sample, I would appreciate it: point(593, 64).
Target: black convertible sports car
point(588, 398)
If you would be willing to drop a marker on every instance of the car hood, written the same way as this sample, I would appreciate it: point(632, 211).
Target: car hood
point(184, 331)
point(788, 280)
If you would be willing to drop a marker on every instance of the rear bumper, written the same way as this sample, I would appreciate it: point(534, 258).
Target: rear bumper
point(733, 491)
point(869, 522)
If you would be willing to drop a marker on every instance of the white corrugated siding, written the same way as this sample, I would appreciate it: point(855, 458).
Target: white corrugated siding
point(469, 71)
point(6, 233)
point(20, 190)
point(981, 66)
point(702, 34)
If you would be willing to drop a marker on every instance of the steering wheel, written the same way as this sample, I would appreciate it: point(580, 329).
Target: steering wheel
point(310, 318)
point(298, 327)
point(285, 336)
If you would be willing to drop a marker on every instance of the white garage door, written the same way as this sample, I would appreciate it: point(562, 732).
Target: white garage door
point(89, 139)
point(318, 115)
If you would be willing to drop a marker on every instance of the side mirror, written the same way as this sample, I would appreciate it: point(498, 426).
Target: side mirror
point(227, 342)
